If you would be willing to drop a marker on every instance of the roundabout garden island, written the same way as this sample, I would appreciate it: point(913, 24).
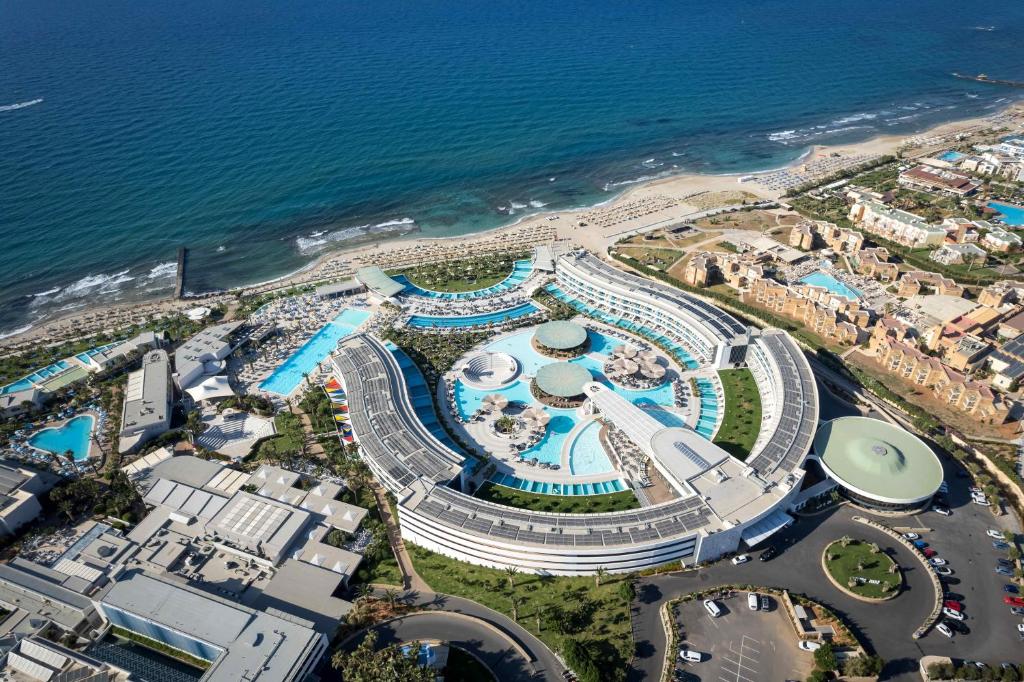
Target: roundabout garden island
point(862, 569)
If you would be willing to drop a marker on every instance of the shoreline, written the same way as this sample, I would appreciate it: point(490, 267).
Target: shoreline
point(673, 189)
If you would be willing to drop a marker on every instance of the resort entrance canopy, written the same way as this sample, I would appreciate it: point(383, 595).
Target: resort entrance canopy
point(211, 388)
point(378, 282)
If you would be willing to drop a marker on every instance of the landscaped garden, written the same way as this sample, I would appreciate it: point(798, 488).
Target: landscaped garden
point(586, 618)
point(862, 568)
point(468, 274)
point(742, 421)
point(559, 504)
point(653, 257)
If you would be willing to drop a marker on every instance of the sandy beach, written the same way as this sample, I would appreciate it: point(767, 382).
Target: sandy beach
point(659, 202)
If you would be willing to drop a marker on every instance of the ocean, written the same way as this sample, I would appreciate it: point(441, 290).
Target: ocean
point(259, 134)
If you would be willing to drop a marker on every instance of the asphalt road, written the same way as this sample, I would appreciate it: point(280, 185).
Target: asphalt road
point(475, 636)
point(886, 628)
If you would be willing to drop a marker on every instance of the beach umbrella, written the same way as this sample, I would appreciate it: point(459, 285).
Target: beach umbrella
point(628, 352)
point(535, 417)
point(624, 366)
point(652, 371)
point(647, 356)
point(495, 402)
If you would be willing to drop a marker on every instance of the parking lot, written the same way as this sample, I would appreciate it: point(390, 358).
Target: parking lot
point(740, 645)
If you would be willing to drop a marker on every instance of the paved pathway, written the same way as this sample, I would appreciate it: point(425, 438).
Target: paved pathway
point(411, 579)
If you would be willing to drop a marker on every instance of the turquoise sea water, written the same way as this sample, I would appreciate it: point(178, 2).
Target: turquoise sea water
point(259, 135)
point(74, 436)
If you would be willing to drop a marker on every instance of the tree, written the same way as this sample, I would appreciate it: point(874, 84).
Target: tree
point(599, 573)
point(194, 424)
point(627, 590)
point(863, 666)
point(515, 607)
point(825, 657)
point(391, 597)
point(366, 664)
point(510, 572)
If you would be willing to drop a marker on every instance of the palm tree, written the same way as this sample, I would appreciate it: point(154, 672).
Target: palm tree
point(515, 607)
point(391, 597)
point(599, 573)
point(510, 572)
point(363, 591)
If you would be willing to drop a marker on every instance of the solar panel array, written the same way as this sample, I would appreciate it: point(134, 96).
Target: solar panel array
point(665, 521)
point(390, 436)
point(724, 324)
point(795, 431)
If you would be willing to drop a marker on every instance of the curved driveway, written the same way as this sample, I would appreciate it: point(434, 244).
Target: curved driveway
point(886, 628)
point(487, 635)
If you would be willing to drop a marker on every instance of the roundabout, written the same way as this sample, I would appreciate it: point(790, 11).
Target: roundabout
point(862, 570)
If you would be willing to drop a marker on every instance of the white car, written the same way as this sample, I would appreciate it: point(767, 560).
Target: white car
point(975, 489)
point(691, 656)
point(943, 570)
point(740, 559)
point(944, 629)
point(712, 608)
point(942, 511)
point(950, 613)
point(1020, 628)
point(752, 601)
point(912, 536)
point(981, 501)
point(807, 645)
point(994, 534)
point(937, 561)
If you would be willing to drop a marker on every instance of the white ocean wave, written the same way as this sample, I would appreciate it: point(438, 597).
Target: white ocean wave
point(21, 105)
point(537, 204)
point(316, 241)
point(168, 269)
point(783, 135)
point(44, 294)
point(221, 248)
point(14, 332)
point(622, 183)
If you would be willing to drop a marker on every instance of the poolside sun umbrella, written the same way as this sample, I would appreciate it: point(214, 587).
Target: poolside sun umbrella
point(629, 352)
point(494, 402)
point(652, 370)
point(535, 417)
point(624, 366)
point(647, 356)
point(618, 350)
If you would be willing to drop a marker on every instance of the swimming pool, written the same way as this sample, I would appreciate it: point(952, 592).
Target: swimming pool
point(586, 453)
point(287, 376)
point(546, 488)
point(480, 320)
point(38, 376)
point(950, 156)
point(520, 271)
point(73, 436)
point(1008, 213)
point(820, 278)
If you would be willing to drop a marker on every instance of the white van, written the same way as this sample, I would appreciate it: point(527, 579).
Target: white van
point(712, 608)
point(752, 601)
point(691, 656)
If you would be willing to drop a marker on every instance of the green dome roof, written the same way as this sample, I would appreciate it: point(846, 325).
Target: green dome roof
point(562, 379)
point(878, 459)
point(560, 335)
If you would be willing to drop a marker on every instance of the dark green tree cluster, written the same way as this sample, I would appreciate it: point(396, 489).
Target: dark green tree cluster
point(390, 664)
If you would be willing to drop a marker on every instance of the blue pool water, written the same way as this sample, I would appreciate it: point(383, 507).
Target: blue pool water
point(586, 454)
point(286, 377)
point(36, 377)
point(545, 488)
point(1008, 213)
point(519, 273)
point(74, 436)
point(462, 321)
point(824, 279)
point(950, 156)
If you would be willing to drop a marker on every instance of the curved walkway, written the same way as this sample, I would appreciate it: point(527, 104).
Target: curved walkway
point(510, 651)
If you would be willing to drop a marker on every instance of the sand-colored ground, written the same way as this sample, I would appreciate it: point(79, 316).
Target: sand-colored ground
point(646, 206)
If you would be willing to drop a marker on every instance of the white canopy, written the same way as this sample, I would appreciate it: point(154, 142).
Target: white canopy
point(211, 388)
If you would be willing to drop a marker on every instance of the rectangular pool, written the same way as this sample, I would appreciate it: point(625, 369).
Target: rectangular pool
point(288, 375)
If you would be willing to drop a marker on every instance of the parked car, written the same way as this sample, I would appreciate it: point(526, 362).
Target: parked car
point(944, 570)
point(713, 609)
point(999, 544)
point(1011, 589)
point(920, 544)
point(981, 501)
point(1020, 628)
point(954, 615)
point(929, 552)
point(740, 559)
point(959, 627)
point(1004, 571)
point(994, 534)
point(768, 554)
point(944, 629)
point(952, 604)
point(807, 645)
point(977, 664)
point(691, 656)
point(752, 601)
point(974, 490)
point(1017, 610)
point(937, 561)
point(1004, 562)
point(1013, 601)
point(944, 511)
point(911, 536)
point(765, 604)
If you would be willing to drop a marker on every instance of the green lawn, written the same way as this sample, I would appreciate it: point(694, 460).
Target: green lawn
point(742, 420)
point(379, 564)
point(875, 567)
point(468, 274)
point(560, 504)
point(569, 607)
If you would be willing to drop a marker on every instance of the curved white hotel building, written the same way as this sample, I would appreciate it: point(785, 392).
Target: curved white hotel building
point(720, 502)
